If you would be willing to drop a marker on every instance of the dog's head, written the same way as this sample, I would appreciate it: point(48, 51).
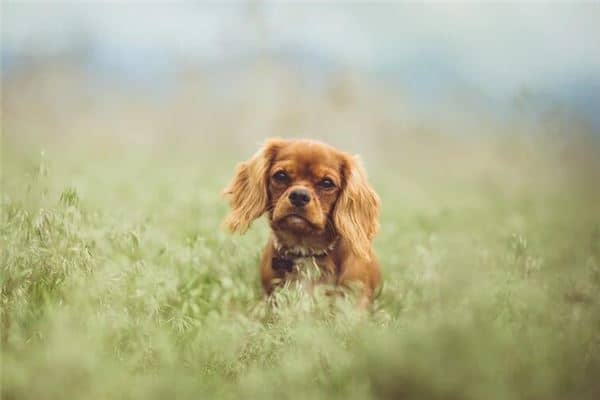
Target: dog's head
point(309, 189)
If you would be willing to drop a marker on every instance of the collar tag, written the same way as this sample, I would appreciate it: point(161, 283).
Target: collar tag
point(282, 264)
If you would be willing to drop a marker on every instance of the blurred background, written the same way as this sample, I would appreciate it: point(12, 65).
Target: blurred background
point(497, 97)
point(360, 75)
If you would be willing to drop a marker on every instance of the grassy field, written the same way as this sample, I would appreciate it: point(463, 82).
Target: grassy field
point(118, 283)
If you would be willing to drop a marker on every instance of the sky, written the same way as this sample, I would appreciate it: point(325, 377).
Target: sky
point(496, 48)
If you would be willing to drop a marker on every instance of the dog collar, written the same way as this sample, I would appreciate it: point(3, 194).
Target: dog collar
point(288, 257)
point(302, 252)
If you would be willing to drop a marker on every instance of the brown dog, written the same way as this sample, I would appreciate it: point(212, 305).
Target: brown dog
point(321, 209)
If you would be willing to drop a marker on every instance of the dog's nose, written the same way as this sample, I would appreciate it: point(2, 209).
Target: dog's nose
point(299, 197)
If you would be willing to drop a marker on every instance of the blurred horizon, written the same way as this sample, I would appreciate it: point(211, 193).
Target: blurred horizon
point(441, 59)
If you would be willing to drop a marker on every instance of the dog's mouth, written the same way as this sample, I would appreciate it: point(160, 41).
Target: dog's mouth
point(296, 218)
point(295, 221)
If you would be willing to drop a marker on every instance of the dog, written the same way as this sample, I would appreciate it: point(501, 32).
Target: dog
point(322, 212)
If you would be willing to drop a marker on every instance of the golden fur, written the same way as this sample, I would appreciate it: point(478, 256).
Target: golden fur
point(336, 226)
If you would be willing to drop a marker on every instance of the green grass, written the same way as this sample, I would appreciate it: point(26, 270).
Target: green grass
point(117, 282)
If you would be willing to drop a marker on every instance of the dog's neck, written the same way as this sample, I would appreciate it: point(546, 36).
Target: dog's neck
point(299, 250)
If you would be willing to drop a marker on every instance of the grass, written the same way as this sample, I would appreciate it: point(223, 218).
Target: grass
point(117, 282)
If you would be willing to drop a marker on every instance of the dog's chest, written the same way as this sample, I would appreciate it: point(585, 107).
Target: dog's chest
point(305, 270)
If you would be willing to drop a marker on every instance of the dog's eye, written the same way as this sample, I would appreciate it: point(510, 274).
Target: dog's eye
point(326, 183)
point(281, 177)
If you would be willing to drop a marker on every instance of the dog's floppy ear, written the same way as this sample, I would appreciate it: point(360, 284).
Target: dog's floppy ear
point(356, 212)
point(247, 191)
